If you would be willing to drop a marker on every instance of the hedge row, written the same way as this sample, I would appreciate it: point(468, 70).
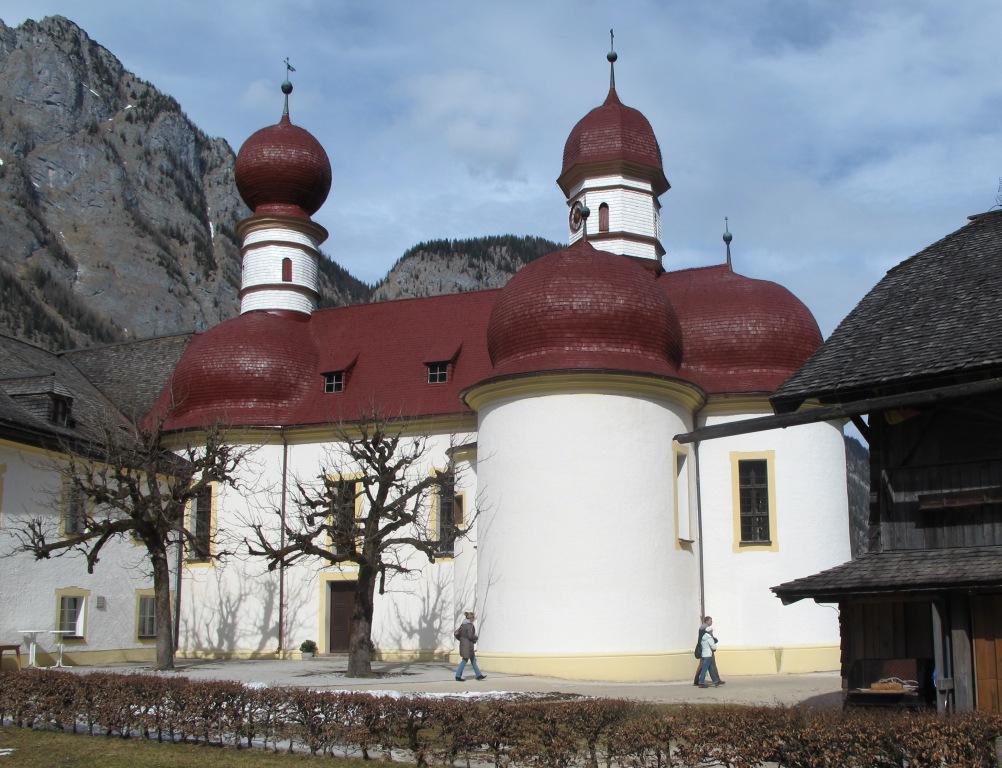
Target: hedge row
point(543, 734)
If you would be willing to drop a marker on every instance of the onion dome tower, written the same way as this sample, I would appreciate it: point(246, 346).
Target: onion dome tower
point(612, 165)
point(283, 175)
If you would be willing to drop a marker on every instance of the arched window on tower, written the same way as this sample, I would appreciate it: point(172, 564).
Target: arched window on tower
point(603, 217)
point(286, 270)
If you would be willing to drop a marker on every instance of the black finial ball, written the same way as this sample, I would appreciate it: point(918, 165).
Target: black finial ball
point(612, 56)
point(728, 237)
point(585, 212)
point(286, 87)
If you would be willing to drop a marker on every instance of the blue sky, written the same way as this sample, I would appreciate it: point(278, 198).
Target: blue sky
point(839, 138)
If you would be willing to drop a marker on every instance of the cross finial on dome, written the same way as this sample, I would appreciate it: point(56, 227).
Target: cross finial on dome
point(612, 56)
point(287, 86)
point(727, 241)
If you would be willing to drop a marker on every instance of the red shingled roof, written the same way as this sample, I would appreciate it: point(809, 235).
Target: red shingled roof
point(575, 309)
point(613, 133)
point(740, 335)
point(283, 170)
point(581, 308)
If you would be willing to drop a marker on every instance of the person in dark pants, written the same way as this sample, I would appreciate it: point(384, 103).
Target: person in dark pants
point(708, 655)
point(467, 637)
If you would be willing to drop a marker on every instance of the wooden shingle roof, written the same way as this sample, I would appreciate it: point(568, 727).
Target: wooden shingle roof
point(935, 318)
point(921, 570)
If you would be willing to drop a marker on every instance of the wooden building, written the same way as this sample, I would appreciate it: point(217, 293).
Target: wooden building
point(921, 358)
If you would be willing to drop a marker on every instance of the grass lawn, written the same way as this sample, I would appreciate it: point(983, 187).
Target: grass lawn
point(42, 749)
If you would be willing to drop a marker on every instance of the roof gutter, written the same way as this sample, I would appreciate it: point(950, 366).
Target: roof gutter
point(843, 410)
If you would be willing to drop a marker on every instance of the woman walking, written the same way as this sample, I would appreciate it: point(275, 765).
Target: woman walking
point(467, 637)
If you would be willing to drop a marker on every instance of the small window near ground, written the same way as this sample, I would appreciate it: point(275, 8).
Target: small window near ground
point(147, 617)
point(753, 486)
point(334, 381)
point(71, 616)
point(438, 373)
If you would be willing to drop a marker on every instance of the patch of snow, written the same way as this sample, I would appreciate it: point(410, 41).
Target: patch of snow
point(128, 106)
point(94, 92)
point(1, 161)
point(7, 752)
point(212, 231)
point(35, 185)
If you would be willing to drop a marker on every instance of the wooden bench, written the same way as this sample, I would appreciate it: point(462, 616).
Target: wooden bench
point(11, 647)
point(872, 670)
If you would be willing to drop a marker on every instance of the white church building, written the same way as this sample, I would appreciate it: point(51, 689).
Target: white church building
point(596, 541)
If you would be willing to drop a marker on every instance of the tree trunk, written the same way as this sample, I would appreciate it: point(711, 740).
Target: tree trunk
point(161, 595)
point(360, 633)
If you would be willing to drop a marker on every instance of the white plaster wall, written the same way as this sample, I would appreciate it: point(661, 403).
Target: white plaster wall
point(278, 298)
point(262, 265)
point(233, 606)
point(812, 534)
point(31, 488)
point(632, 209)
point(576, 542)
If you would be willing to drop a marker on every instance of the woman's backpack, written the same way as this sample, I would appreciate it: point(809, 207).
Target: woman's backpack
point(698, 653)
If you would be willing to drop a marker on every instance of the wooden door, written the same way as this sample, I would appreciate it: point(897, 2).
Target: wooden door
point(342, 598)
point(986, 620)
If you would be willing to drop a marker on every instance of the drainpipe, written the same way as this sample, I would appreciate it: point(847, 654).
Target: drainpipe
point(178, 565)
point(699, 530)
point(699, 516)
point(281, 568)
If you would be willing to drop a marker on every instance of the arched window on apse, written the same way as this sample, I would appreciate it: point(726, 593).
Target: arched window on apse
point(286, 270)
point(603, 217)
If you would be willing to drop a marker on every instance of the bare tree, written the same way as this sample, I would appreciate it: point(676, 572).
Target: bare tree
point(368, 508)
point(124, 482)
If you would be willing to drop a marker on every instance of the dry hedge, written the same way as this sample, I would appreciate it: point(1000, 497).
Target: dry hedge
point(584, 733)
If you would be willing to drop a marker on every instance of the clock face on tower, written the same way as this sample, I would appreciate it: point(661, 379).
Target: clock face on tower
point(574, 217)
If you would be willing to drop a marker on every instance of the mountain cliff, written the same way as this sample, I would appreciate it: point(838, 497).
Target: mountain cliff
point(117, 213)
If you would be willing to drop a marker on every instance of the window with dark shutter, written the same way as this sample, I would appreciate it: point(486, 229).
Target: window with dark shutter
point(202, 526)
point(342, 517)
point(147, 617)
point(753, 486)
point(450, 512)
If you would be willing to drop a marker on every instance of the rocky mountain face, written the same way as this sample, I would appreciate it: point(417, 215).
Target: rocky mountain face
point(117, 213)
point(453, 266)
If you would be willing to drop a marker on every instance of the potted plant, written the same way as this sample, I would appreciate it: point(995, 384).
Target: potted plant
point(308, 648)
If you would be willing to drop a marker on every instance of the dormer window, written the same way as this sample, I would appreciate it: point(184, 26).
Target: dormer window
point(334, 381)
point(438, 373)
point(60, 413)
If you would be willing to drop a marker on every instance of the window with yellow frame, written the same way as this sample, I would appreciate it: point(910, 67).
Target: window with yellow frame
point(753, 481)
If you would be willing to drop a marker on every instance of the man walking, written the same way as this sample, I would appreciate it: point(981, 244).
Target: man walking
point(467, 637)
point(707, 658)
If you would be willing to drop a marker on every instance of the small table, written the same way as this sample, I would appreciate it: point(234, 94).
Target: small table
point(31, 638)
point(16, 647)
point(59, 642)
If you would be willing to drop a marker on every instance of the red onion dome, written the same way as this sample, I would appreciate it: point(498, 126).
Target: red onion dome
point(248, 371)
point(740, 335)
point(613, 134)
point(282, 170)
point(583, 309)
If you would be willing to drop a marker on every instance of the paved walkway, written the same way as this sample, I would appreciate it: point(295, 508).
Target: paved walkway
point(821, 689)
